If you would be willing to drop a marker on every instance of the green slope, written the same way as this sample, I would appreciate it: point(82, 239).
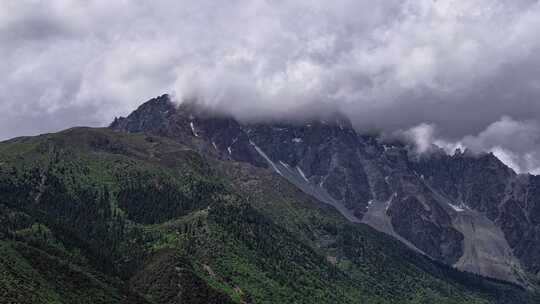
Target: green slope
point(95, 216)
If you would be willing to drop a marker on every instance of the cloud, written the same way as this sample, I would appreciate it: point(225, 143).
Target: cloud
point(455, 65)
point(422, 136)
point(516, 143)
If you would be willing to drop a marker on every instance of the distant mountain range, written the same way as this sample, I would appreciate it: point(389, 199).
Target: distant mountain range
point(178, 204)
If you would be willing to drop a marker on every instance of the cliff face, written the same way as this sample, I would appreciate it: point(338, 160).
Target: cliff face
point(483, 184)
point(466, 210)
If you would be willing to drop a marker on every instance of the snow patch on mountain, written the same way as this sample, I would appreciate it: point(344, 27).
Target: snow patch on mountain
point(261, 153)
point(302, 174)
point(193, 129)
point(456, 207)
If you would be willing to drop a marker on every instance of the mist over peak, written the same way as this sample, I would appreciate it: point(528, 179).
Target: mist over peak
point(466, 70)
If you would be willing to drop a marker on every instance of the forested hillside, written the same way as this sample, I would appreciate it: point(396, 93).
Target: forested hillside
point(97, 216)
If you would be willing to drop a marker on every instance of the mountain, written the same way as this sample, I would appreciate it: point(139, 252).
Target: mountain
point(466, 210)
point(178, 205)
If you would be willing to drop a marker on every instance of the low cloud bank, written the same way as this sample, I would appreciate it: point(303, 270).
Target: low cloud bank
point(459, 72)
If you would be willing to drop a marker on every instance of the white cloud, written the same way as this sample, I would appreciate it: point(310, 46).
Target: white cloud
point(423, 137)
point(515, 143)
point(459, 65)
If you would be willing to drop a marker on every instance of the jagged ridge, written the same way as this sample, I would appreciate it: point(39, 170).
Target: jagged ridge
point(433, 203)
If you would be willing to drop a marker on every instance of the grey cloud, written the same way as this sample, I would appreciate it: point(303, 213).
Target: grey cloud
point(516, 143)
point(455, 66)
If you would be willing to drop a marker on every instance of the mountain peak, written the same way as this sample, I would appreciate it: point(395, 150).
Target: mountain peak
point(153, 111)
point(421, 201)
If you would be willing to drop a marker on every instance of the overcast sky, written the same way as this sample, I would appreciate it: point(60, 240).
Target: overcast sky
point(454, 72)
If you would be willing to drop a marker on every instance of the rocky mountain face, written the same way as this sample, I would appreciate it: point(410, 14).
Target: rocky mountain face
point(469, 211)
point(481, 183)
